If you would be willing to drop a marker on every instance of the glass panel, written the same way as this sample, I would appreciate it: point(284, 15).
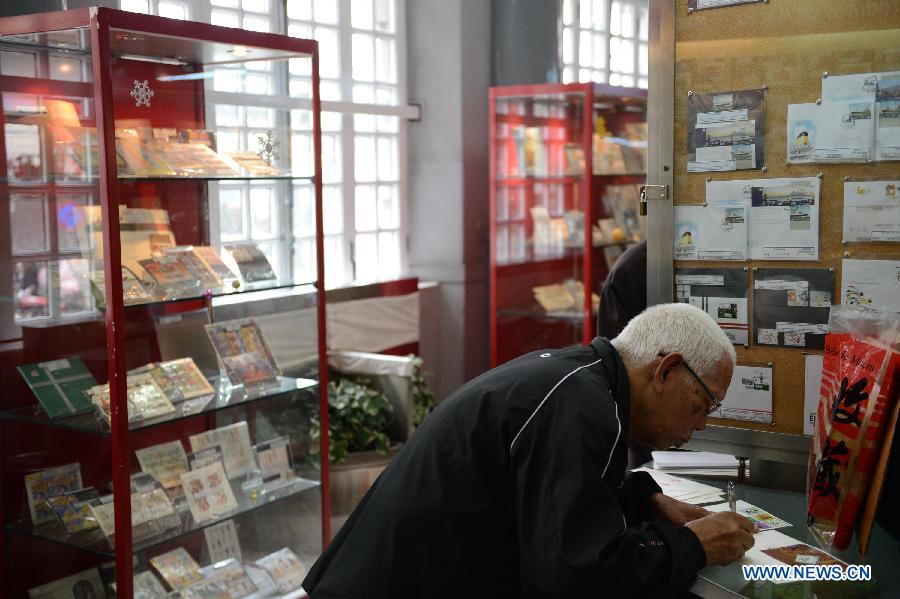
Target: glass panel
point(29, 213)
point(332, 210)
point(568, 12)
point(388, 207)
point(366, 257)
point(388, 255)
point(172, 10)
point(584, 12)
point(329, 55)
point(365, 158)
point(599, 15)
point(384, 15)
point(568, 46)
point(325, 11)
point(263, 213)
point(231, 215)
point(361, 14)
point(387, 158)
point(363, 57)
point(615, 18)
point(141, 6)
point(299, 9)
point(366, 219)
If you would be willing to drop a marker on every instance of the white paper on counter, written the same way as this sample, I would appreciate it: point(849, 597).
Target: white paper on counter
point(784, 214)
point(831, 132)
point(710, 233)
point(749, 396)
point(871, 283)
point(812, 383)
point(872, 210)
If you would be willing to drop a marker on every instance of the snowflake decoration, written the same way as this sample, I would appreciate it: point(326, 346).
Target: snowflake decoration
point(268, 148)
point(141, 93)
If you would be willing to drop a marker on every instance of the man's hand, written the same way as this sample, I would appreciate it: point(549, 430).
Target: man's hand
point(674, 511)
point(725, 536)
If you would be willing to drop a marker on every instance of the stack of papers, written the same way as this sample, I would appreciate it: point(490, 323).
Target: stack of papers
point(685, 490)
point(703, 463)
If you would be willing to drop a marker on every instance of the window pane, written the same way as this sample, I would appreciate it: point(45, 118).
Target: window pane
point(387, 158)
point(627, 80)
point(257, 116)
point(226, 19)
point(65, 69)
point(642, 59)
point(332, 210)
point(584, 12)
point(331, 121)
point(305, 260)
point(628, 20)
point(228, 115)
point(384, 15)
point(334, 262)
point(361, 15)
point(301, 153)
point(231, 215)
point(363, 64)
point(386, 96)
point(364, 94)
point(261, 6)
point(364, 123)
point(30, 288)
point(299, 9)
point(365, 255)
point(385, 53)
point(585, 75)
point(17, 64)
point(28, 220)
point(263, 213)
point(172, 10)
point(74, 286)
point(568, 46)
point(228, 141)
point(329, 59)
point(388, 255)
point(302, 31)
point(642, 83)
point(256, 24)
point(568, 75)
point(599, 15)
point(615, 18)
point(257, 84)
point(330, 90)
point(626, 56)
point(600, 51)
point(584, 49)
point(388, 207)
point(304, 214)
point(23, 152)
point(331, 159)
point(68, 219)
point(141, 6)
point(388, 124)
point(365, 158)
point(366, 217)
point(226, 80)
point(325, 11)
point(568, 12)
point(225, 3)
point(645, 25)
point(615, 55)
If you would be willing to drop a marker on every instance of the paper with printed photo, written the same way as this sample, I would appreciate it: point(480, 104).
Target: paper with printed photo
point(760, 517)
point(783, 215)
point(791, 306)
point(710, 232)
point(881, 88)
point(831, 132)
point(871, 284)
point(749, 395)
point(725, 130)
point(872, 211)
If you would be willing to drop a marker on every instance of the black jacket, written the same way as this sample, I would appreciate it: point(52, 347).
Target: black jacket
point(515, 486)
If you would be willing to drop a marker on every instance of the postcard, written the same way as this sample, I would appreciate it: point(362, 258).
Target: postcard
point(169, 272)
point(203, 274)
point(881, 88)
point(871, 211)
point(760, 517)
point(791, 306)
point(177, 568)
point(209, 496)
point(783, 214)
point(710, 232)
point(831, 132)
point(285, 568)
point(871, 284)
point(725, 130)
point(749, 395)
point(77, 586)
point(166, 462)
point(43, 484)
point(234, 440)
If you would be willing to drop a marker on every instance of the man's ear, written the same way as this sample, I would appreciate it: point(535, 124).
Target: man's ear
point(668, 364)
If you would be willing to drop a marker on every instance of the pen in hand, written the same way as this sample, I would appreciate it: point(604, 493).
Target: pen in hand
point(732, 497)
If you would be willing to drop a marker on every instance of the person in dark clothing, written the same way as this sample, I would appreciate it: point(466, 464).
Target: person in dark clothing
point(624, 293)
point(516, 485)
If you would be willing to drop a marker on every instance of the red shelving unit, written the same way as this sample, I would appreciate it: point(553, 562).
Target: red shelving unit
point(561, 158)
point(73, 85)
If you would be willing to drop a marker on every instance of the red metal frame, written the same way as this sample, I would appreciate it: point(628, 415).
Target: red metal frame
point(592, 92)
point(100, 21)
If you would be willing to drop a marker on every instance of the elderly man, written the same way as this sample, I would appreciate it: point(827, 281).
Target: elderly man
point(517, 485)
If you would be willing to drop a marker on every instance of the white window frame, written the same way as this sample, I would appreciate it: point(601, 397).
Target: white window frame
point(571, 71)
point(201, 10)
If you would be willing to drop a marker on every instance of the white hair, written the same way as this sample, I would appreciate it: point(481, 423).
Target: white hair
point(681, 328)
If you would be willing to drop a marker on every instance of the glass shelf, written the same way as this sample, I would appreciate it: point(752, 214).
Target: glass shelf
point(309, 178)
point(561, 179)
point(42, 323)
point(574, 317)
point(91, 423)
point(95, 542)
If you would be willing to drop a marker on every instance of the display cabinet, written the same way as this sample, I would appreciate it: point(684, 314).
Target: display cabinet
point(162, 362)
point(566, 164)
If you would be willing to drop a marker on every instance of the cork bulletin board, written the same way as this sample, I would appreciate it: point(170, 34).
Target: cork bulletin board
point(785, 46)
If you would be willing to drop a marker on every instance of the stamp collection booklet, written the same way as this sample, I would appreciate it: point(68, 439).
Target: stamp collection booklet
point(177, 568)
point(234, 441)
point(43, 484)
point(232, 338)
point(74, 510)
point(208, 492)
point(59, 385)
point(285, 568)
point(166, 462)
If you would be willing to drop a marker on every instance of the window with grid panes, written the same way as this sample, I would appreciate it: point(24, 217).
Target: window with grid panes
point(359, 43)
point(605, 41)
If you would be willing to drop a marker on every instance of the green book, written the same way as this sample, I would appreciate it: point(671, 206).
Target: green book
point(60, 385)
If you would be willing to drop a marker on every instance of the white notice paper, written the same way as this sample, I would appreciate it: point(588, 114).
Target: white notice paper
point(884, 90)
point(831, 132)
point(871, 283)
point(710, 232)
point(813, 381)
point(749, 396)
point(784, 215)
point(871, 211)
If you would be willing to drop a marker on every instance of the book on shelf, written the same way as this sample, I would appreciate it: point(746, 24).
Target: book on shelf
point(59, 385)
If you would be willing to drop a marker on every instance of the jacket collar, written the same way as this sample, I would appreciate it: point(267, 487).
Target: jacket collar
point(616, 376)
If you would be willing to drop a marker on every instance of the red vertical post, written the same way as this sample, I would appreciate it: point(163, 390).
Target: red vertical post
point(115, 310)
point(320, 305)
point(587, 321)
point(492, 224)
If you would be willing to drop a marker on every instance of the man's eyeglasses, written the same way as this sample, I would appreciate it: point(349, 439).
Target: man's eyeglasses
point(713, 403)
